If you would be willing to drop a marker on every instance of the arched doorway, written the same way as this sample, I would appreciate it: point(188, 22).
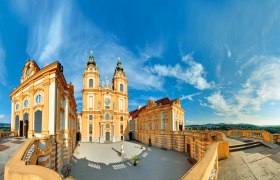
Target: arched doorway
point(78, 136)
point(130, 135)
point(107, 136)
point(17, 123)
point(26, 125)
point(21, 128)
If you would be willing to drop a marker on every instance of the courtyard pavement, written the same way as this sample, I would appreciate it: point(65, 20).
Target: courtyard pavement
point(8, 147)
point(103, 161)
point(259, 163)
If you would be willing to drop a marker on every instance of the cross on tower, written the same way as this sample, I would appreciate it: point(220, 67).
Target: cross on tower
point(106, 81)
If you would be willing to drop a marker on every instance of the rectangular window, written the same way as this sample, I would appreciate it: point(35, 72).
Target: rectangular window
point(121, 128)
point(90, 117)
point(90, 129)
point(165, 125)
point(90, 102)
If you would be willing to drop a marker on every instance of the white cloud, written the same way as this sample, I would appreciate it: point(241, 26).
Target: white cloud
point(193, 74)
point(190, 96)
point(2, 116)
point(61, 32)
point(261, 86)
point(228, 51)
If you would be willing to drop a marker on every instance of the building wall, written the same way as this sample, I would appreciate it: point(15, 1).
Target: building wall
point(35, 96)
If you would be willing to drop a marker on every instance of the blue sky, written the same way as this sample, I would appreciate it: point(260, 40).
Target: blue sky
point(222, 58)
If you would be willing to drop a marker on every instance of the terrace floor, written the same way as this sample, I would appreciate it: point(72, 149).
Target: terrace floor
point(8, 147)
point(258, 163)
point(102, 161)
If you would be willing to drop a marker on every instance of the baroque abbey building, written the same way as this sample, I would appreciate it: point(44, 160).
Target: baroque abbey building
point(104, 113)
point(44, 109)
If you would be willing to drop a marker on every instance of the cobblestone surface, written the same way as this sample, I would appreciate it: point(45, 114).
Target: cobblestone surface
point(102, 161)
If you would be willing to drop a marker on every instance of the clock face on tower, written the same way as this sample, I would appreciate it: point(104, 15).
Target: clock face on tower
point(91, 69)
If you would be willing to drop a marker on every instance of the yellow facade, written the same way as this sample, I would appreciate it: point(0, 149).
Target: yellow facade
point(105, 105)
point(43, 105)
point(155, 122)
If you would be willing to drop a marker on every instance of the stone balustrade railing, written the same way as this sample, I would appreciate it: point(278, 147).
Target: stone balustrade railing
point(7, 134)
point(207, 167)
point(23, 163)
point(254, 134)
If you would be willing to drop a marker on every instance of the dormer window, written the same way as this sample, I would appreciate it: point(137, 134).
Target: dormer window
point(27, 71)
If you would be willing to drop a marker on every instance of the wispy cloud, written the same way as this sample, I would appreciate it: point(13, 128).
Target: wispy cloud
point(190, 96)
point(228, 51)
point(64, 34)
point(192, 74)
point(261, 86)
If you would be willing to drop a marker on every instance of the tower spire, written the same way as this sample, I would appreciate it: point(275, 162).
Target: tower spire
point(119, 65)
point(91, 59)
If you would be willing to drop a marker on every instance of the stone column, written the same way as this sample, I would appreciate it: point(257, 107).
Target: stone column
point(13, 123)
point(66, 112)
point(45, 118)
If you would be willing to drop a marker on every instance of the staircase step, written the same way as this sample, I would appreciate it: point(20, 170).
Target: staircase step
point(241, 145)
point(244, 147)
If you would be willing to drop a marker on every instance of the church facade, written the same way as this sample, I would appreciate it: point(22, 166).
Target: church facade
point(44, 108)
point(104, 113)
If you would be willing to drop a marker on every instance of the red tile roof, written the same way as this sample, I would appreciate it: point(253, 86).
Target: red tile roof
point(162, 101)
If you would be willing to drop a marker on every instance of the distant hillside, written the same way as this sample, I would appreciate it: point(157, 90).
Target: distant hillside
point(5, 125)
point(224, 126)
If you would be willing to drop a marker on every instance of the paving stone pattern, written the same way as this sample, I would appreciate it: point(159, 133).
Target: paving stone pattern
point(102, 161)
point(259, 163)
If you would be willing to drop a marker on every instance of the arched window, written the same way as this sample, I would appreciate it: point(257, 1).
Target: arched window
point(17, 121)
point(38, 99)
point(38, 121)
point(25, 116)
point(107, 116)
point(17, 106)
point(90, 83)
point(27, 71)
point(121, 87)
